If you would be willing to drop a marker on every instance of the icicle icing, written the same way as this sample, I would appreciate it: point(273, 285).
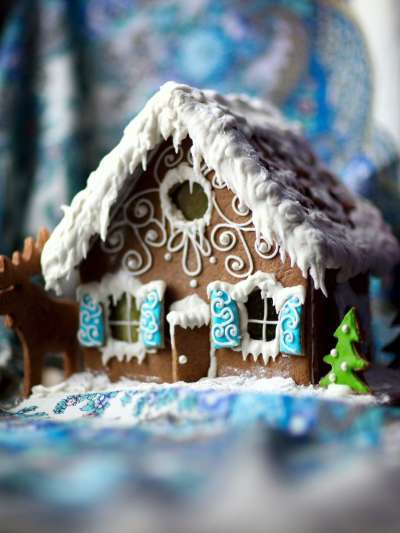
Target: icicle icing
point(223, 131)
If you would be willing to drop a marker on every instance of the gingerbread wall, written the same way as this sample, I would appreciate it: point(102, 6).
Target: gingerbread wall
point(140, 241)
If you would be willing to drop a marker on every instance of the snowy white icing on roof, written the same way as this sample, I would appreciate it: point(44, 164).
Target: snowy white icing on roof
point(294, 201)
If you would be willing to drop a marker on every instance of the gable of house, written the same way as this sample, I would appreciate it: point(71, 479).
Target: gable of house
point(197, 247)
point(211, 214)
point(293, 201)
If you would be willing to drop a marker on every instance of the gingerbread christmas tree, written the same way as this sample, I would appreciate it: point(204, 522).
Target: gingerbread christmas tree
point(345, 359)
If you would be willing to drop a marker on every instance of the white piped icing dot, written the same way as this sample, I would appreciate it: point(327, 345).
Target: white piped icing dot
point(193, 283)
point(168, 256)
point(345, 328)
point(263, 247)
point(225, 239)
point(140, 211)
point(113, 240)
point(332, 377)
point(132, 263)
point(182, 359)
point(213, 259)
point(343, 366)
point(333, 352)
point(152, 235)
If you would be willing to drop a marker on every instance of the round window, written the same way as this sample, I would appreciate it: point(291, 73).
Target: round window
point(186, 198)
point(190, 199)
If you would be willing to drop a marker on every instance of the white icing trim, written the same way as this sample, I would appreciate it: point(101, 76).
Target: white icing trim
point(189, 313)
point(186, 232)
point(122, 350)
point(115, 285)
point(180, 174)
point(139, 260)
point(239, 292)
point(142, 292)
point(226, 235)
point(187, 238)
point(264, 281)
point(112, 285)
point(222, 130)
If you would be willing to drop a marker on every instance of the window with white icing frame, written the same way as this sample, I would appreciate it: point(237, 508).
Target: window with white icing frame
point(259, 324)
point(122, 295)
point(266, 342)
point(186, 198)
point(262, 317)
point(124, 318)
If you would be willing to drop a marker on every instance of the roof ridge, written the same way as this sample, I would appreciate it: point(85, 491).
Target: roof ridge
point(227, 132)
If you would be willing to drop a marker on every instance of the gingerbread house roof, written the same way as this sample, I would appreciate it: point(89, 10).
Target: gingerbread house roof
point(294, 201)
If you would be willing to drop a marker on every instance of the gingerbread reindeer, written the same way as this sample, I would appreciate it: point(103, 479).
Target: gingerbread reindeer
point(42, 323)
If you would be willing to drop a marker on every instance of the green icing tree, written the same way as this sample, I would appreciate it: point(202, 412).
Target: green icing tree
point(344, 359)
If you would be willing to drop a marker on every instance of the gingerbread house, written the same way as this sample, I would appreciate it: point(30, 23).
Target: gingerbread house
point(211, 242)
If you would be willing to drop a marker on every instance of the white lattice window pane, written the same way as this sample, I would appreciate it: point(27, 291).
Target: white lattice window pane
point(262, 316)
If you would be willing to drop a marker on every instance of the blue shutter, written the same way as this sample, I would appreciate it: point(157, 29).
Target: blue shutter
point(290, 327)
point(91, 323)
point(225, 323)
point(151, 327)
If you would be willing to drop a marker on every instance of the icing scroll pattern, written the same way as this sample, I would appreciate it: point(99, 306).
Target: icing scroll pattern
point(290, 327)
point(151, 331)
point(139, 217)
point(91, 323)
point(229, 236)
point(187, 236)
point(225, 324)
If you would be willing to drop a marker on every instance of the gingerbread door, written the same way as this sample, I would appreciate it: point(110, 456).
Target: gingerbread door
point(190, 353)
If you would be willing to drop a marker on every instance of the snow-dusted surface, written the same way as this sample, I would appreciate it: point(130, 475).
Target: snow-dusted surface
point(351, 239)
point(88, 382)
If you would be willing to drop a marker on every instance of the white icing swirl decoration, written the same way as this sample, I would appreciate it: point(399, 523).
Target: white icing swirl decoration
point(225, 326)
point(178, 235)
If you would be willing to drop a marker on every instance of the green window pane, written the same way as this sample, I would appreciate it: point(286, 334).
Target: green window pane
point(124, 319)
point(190, 199)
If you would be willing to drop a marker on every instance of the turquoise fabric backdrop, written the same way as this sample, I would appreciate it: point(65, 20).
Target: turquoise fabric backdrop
point(72, 73)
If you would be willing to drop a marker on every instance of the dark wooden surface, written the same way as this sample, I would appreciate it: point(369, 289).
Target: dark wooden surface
point(384, 383)
point(5, 7)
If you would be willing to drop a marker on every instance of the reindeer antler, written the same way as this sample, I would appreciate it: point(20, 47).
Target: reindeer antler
point(25, 264)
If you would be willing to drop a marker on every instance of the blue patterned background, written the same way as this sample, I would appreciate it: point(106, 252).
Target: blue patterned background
point(72, 73)
point(178, 446)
